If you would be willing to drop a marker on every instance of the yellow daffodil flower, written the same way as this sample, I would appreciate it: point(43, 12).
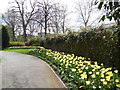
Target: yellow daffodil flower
point(108, 78)
point(84, 75)
point(104, 82)
point(88, 82)
point(117, 80)
point(93, 75)
point(110, 73)
point(116, 71)
point(90, 72)
point(73, 69)
point(118, 85)
point(97, 73)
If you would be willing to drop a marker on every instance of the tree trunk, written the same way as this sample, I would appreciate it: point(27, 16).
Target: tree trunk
point(24, 34)
point(45, 25)
point(14, 38)
point(63, 27)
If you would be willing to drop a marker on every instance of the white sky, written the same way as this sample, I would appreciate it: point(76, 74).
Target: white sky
point(4, 4)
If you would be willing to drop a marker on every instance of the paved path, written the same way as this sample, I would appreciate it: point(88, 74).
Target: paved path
point(26, 71)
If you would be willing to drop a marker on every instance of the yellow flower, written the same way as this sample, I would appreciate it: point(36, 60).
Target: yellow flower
point(79, 70)
point(90, 72)
point(88, 82)
point(108, 78)
point(73, 69)
point(84, 75)
point(88, 58)
point(93, 70)
point(110, 73)
point(104, 82)
point(116, 80)
point(109, 68)
point(70, 61)
point(102, 75)
point(86, 68)
point(95, 63)
point(116, 71)
point(98, 67)
point(101, 64)
point(97, 73)
point(118, 85)
point(93, 75)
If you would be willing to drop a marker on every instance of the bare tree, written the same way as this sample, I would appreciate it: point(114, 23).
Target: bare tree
point(85, 10)
point(45, 13)
point(57, 21)
point(64, 14)
point(25, 12)
point(10, 19)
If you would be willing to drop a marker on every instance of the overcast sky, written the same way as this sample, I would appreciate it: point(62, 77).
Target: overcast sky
point(4, 4)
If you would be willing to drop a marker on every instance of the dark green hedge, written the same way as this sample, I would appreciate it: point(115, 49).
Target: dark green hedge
point(35, 41)
point(99, 45)
point(4, 38)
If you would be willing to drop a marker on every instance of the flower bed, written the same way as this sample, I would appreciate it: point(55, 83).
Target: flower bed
point(79, 72)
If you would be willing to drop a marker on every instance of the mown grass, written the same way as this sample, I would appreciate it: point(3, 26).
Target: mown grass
point(24, 51)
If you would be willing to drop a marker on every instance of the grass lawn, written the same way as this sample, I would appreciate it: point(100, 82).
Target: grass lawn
point(25, 51)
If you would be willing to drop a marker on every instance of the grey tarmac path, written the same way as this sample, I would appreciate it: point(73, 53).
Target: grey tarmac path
point(26, 71)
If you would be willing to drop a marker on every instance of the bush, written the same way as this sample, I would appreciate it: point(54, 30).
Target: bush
point(35, 41)
point(16, 44)
point(101, 45)
point(5, 37)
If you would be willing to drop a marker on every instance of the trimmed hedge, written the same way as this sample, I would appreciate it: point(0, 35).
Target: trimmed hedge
point(100, 45)
point(16, 44)
point(4, 37)
point(35, 41)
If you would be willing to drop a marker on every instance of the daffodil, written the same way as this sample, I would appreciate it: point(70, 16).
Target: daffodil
point(84, 75)
point(90, 72)
point(97, 73)
point(110, 73)
point(101, 64)
point(73, 69)
point(95, 63)
point(93, 75)
point(118, 85)
point(93, 70)
point(108, 78)
point(117, 80)
point(104, 82)
point(116, 71)
point(88, 82)
point(86, 68)
point(102, 75)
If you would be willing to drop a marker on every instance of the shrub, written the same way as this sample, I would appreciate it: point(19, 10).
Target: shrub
point(101, 45)
point(5, 37)
point(16, 44)
point(35, 41)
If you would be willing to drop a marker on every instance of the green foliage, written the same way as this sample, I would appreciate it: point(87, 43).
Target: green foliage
point(35, 41)
point(101, 45)
point(10, 33)
point(5, 37)
point(112, 8)
point(16, 44)
point(20, 38)
point(79, 72)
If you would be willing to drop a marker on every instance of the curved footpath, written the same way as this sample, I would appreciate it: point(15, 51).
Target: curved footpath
point(26, 71)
